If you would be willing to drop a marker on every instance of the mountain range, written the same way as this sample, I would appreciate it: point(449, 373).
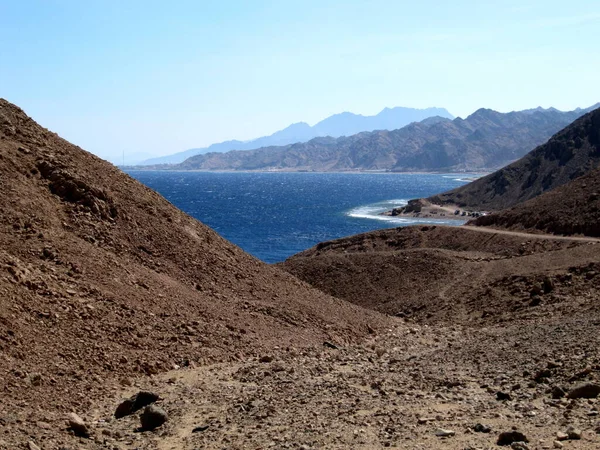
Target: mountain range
point(343, 124)
point(568, 155)
point(485, 140)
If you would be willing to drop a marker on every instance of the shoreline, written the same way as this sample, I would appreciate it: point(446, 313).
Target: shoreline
point(423, 209)
point(478, 174)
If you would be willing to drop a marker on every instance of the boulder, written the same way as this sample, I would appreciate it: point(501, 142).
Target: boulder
point(77, 425)
point(508, 437)
point(135, 403)
point(585, 390)
point(152, 417)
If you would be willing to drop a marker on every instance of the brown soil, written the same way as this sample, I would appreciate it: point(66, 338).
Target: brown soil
point(103, 280)
point(447, 274)
point(106, 289)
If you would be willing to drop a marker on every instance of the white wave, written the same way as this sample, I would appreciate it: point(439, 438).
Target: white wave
point(462, 180)
point(373, 212)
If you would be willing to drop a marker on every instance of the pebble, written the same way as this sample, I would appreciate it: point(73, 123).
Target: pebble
point(560, 436)
point(43, 425)
point(480, 428)
point(558, 444)
point(32, 446)
point(519, 446)
point(441, 432)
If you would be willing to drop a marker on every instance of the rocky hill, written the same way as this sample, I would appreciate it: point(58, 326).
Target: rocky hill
point(343, 124)
point(437, 273)
point(571, 209)
point(569, 154)
point(103, 280)
point(107, 291)
point(486, 139)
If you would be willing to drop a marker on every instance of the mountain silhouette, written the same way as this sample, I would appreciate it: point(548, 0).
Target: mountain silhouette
point(343, 124)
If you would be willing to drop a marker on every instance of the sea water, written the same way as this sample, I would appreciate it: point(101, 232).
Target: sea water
point(274, 215)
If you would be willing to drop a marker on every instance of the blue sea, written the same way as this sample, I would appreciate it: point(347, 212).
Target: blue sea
point(275, 215)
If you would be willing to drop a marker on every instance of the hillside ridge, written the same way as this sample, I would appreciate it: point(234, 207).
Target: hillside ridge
point(485, 140)
point(102, 279)
point(570, 153)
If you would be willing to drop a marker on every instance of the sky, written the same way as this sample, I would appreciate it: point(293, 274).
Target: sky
point(157, 77)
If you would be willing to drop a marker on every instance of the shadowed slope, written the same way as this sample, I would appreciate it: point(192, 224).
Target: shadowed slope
point(567, 155)
point(570, 209)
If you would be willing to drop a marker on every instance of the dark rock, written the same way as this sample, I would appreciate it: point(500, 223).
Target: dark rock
point(536, 290)
point(152, 417)
point(77, 425)
point(585, 390)
point(330, 345)
point(135, 403)
point(480, 428)
point(200, 428)
point(541, 375)
point(266, 359)
point(535, 300)
point(508, 437)
point(548, 285)
point(558, 392)
point(503, 396)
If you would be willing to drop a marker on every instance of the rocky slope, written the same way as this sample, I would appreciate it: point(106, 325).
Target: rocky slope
point(497, 349)
point(486, 139)
point(569, 154)
point(568, 210)
point(107, 290)
point(412, 387)
point(102, 280)
point(454, 275)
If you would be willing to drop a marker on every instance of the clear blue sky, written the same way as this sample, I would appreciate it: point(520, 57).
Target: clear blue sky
point(164, 76)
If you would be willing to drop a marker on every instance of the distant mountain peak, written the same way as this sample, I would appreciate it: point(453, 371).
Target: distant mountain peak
point(342, 124)
point(486, 139)
point(568, 154)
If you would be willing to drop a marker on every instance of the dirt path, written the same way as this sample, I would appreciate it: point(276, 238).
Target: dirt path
point(531, 235)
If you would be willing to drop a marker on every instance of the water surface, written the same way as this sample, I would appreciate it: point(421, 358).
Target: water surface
point(275, 215)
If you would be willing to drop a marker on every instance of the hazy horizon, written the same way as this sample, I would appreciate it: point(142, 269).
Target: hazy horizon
point(162, 78)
